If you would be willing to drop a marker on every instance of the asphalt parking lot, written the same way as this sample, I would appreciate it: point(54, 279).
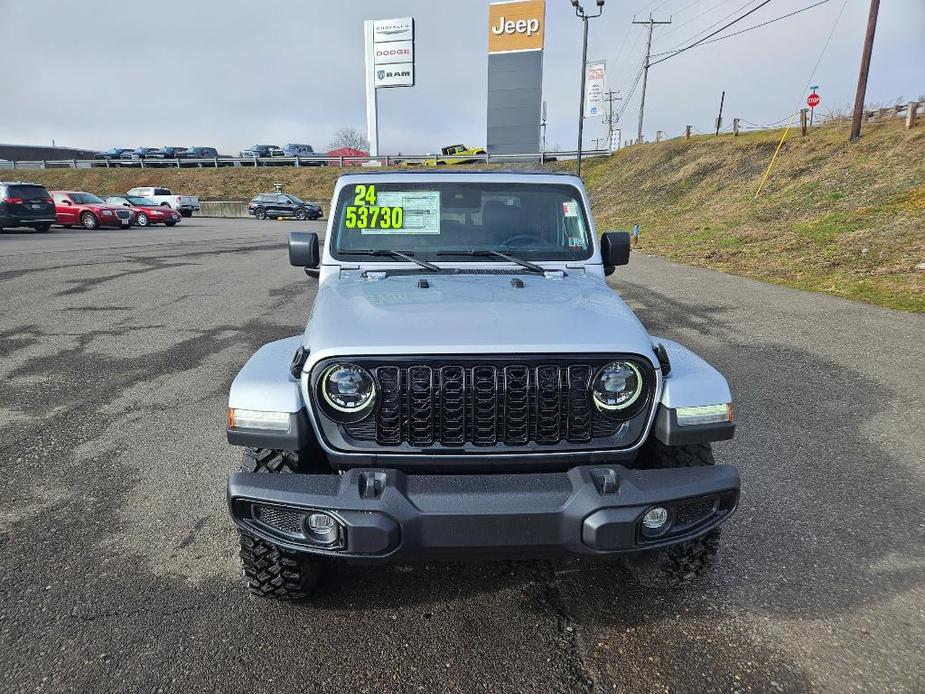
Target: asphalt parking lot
point(119, 562)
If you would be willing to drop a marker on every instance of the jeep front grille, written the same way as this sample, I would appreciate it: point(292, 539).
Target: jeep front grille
point(482, 403)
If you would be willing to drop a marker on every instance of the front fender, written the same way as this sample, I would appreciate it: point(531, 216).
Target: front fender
point(265, 384)
point(692, 382)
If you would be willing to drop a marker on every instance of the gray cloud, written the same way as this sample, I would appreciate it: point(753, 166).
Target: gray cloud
point(212, 72)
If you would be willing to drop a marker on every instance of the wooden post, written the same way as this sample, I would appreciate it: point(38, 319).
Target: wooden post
point(658, 135)
point(735, 127)
point(865, 69)
point(687, 132)
point(803, 121)
point(912, 114)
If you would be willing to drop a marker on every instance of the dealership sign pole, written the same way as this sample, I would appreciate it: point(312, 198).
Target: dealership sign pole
point(389, 63)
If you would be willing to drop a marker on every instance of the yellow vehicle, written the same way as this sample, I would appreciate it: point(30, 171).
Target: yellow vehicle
point(450, 155)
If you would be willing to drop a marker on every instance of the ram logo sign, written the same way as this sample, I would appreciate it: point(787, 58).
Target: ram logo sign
point(399, 75)
point(516, 26)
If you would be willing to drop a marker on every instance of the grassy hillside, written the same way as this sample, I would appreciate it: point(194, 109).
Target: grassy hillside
point(846, 219)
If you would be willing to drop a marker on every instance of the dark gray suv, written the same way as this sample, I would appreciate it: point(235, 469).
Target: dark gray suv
point(283, 205)
point(26, 205)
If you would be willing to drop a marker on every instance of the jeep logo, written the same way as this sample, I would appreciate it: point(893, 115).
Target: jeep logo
point(516, 26)
point(521, 26)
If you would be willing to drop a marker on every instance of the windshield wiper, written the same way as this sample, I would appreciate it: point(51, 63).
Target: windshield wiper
point(404, 255)
point(484, 252)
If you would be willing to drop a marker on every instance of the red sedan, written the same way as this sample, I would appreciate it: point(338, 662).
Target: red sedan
point(74, 207)
point(146, 210)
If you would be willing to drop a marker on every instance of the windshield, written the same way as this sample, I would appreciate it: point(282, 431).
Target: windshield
point(527, 220)
point(85, 199)
point(297, 200)
point(143, 202)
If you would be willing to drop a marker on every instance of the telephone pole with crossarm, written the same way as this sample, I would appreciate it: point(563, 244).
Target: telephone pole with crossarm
point(645, 70)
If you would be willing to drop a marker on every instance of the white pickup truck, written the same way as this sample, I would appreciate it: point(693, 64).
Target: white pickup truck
point(184, 204)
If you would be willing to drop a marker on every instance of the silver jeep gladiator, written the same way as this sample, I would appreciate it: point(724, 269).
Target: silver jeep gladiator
point(469, 386)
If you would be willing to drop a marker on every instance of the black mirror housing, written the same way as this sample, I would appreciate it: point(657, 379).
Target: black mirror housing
point(304, 249)
point(615, 250)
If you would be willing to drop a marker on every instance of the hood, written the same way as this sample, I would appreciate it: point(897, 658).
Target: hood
point(471, 313)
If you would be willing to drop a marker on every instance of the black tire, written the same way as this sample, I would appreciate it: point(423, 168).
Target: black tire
point(42, 227)
point(272, 572)
point(142, 219)
point(269, 460)
point(260, 213)
point(300, 214)
point(685, 562)
point(186, 213)
point(170, 224)
point(269, 570)
point(89, 221)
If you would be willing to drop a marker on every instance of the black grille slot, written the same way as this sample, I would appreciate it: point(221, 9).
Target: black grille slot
point(579, 403)
point(488, 402)
point(420, 405)
point(547, 409)
point(516, 404)
point(452, 405)
point(484, 405)
point(388, 419)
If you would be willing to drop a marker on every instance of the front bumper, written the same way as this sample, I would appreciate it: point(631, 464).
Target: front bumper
point(387, 515)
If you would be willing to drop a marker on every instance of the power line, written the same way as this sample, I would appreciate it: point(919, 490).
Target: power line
point(701, 14)
point(758, 26)
point(722, 28)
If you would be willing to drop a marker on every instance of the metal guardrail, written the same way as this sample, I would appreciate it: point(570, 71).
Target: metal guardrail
point(217, 162)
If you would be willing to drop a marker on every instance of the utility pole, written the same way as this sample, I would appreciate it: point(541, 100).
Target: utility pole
point(584, 17)
point(611, 97)
point(865, 69)
point(645, 70)
point(719, 118)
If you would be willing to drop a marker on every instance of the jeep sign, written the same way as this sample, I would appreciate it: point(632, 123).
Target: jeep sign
point(516, 26)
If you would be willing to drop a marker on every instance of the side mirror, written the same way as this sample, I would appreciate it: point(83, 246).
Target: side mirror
point(65, 202)
point(304, 249)
point(615, 250)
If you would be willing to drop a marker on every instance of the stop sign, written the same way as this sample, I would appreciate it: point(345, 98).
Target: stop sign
point(813, 100)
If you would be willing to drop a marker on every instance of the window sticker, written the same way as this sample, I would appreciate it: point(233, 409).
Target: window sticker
point(418, 213)
point(570, 208)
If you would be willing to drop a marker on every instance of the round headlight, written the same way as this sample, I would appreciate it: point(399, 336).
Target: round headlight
point(617, 387)
point(348, 391)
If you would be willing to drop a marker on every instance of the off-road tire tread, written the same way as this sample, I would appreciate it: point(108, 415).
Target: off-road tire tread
point(269, 460)
point(271, 571)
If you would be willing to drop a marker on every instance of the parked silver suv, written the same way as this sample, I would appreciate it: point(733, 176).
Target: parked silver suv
point(468, 385)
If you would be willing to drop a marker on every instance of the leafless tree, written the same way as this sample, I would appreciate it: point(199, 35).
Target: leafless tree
point(349, 137)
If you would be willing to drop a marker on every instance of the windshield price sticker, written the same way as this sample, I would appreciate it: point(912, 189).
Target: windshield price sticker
point(419, 212)
point(570, 208)
point(365, 214)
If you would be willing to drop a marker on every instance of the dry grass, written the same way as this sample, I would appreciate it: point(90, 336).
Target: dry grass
point(845, 219)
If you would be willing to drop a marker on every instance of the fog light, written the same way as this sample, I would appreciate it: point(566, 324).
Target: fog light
point(323, 528)
point(655, 518)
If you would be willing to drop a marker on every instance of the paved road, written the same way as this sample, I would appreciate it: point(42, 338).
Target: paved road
point(118, 560)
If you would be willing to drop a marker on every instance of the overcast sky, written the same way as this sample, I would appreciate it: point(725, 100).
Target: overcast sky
point(229, 74)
